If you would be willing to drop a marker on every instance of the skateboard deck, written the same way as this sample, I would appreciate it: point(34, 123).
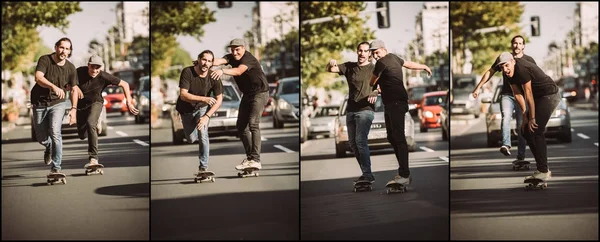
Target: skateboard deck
point(251, 171)
point(394, 187)
point(362, 186)
point(56, 177)
point(520, 164)
point(534, 183)
point(94, 169)
point(200, 176)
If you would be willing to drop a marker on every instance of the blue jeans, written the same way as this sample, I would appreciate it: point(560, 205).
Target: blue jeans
point(359, 125)
point(190, 130)
point(48, 129)
point(507, 105)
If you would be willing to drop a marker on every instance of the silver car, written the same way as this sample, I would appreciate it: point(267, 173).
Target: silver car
point(222, 122)
point(322, 121)
point(463, 102)
point(559, 125)
point(378, 134)
point(286, 101)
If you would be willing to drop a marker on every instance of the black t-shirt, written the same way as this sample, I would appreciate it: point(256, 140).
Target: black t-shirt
point(62, 76)
point(253, 80)
point(358, 85)
point(541, 84)
point(92, 87)
point(505, 85)
point(391, 81)
point(196, 85)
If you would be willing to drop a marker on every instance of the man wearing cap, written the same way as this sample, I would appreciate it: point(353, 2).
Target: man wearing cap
point(360, 107)
point(508, 103)
point(54, 75)
point(388, 74)
point(250, 78)
point(92, 80)
point(537, 95)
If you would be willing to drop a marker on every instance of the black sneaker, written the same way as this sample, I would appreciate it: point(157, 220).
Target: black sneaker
point(54, 170)
point(505, 150)
point(365, 178)
point(201, 169)
point(48, 157)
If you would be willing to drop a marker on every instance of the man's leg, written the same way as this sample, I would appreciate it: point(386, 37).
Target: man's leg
point(242, 125)
point(92, 130)
point(189, 123)
point(363, 120)
point(203, 145)
point(351, 126)
point(395, 117)
point(522, 142)
point(56, 114)
point(544, 107)
point(82, 126)
point(41, 125)
point(257, 105)
point(506, 108)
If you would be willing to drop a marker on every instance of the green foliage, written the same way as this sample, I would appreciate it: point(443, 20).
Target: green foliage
point(181, 58)
point(19, 35)
point(324, 41)
point(169, 19)
point(139, 45)
point(273, 48)
point(467, 17)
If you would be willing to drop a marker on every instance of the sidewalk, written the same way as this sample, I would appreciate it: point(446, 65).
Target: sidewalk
point(9, 126)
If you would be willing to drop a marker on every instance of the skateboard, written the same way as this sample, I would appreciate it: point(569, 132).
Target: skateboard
point(534, 183)
point(520, 164)
point(94, 169)
point(250, 171)
point(204, 174)
point(56, 177)
point(362, 186)
point(394, 187)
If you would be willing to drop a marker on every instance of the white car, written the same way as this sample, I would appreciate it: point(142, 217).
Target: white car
point(322, 121)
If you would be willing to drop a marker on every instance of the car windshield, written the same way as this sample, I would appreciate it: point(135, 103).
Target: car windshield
point(229, 94)
point(326, 111)
point(568, 82)
point(434, 100)
point(290, 86)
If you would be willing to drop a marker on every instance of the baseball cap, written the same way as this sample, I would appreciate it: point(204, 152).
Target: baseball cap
point(95, 60)
point(376, 44)
point(237, 42)
point(504, 57)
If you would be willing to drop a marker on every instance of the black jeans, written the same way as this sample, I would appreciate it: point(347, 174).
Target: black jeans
point(544, 107)
point(250, 112)
point(87, 127)
point(394, 125)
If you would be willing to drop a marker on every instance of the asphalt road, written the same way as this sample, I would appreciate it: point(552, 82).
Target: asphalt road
point(232, 208)
point(113, 206)
point(489, 201)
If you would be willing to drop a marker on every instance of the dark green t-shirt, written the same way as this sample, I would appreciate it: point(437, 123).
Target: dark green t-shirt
point(64, 76)
point(358, 78)
point(196, 85)
point(541, 84)
point(92, 87)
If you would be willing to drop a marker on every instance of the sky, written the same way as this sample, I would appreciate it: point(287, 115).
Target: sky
point(93, 22)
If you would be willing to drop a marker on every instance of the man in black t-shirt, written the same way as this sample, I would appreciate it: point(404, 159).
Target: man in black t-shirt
point(195, 86)
point(92, 80)
point(359, 110)
point(537, 94)
point(388, 73)
point(54, 75)
point(508, 102)
point(250, 78)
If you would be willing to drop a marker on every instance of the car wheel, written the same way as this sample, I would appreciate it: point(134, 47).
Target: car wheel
point(340, 151)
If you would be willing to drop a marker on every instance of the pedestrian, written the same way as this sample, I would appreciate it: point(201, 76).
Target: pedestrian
point(54, 76)
point(250, 78)
point(388, 74)
point(508, 103)
point(360, 107)
point(195, 104)
point(538, 96)
point(92, 81)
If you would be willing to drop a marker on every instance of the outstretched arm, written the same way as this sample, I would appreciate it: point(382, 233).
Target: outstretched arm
point(484, 79)
point(417, 66)
point(332, 66)
point(125, 86)
point(193, 99)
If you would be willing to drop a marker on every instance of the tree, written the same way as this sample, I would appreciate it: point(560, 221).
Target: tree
point(19, 35)
point(467, 17)
point(180, 58)
point(169, 19)
point(324, 41)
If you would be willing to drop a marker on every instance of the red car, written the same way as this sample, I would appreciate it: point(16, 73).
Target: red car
point(430, 109)
point(115, 100)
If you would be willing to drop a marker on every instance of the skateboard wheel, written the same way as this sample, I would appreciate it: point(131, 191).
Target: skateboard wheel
point(101, 172)
point(239, 174)
point(64, 181)
point(212, 179)
point(87, 173)
point(256, 174)
point(355, 189)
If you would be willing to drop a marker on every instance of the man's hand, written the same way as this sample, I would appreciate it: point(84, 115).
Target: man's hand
point(217, 74)
point(59, 92)
point(373, 96)
point(475, 93)
point(532, 125)
point(428, 71)
point(332, 63)
point(72, 116)
point(132, 108)
point(209, 100)
point(203, 123)
point(77, 92)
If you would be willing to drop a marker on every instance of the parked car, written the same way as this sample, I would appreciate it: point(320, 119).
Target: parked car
point(464, 103)
point(66, 128)
point(570, 88)
point(286, 101)
point(430, 110)
point(559, 125)
point(269, 106)
point(377, 136)
point(141, 97)
point(115, 99)
point(222, 122)
point(322, 121)
point(444, 114)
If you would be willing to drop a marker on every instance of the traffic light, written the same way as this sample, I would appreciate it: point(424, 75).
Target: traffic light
point(383, 17)
point(224, 4)
point(535, 26)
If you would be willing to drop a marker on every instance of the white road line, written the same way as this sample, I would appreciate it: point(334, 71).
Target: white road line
point(139, 142)
point(426, 149)
point(262, 138)
point(27, 127)
point(121, 133)
point(572, 130)
point(583, 136)
point(110, 127)
point(444, 158)
point(130, 118)
point(283, 148)
point(596, 144)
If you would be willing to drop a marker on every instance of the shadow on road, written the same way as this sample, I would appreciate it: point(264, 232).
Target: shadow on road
point(129, 190)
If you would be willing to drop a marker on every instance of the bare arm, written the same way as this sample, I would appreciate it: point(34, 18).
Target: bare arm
point(484, 79)
point(42, 81)
point(373, 80)
point(416, 66)
point(519, 97)
point(193, 99)
point(529, 99)
point(332, 66)
point(238, 71)
point(125, 86)
point(203, 122)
